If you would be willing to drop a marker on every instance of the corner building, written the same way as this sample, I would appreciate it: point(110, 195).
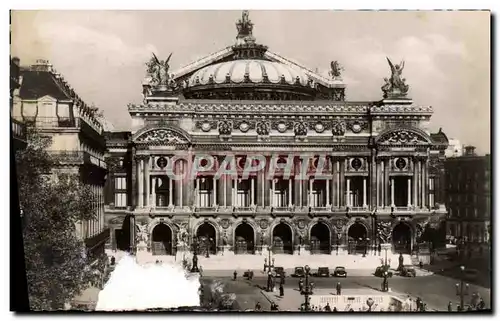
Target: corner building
point(382, 162)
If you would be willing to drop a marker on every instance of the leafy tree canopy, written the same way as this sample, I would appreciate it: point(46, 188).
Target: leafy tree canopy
point(52, 205)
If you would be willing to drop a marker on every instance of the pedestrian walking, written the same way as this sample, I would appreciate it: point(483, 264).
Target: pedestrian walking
point(258, 306)
point(481, 305)
point(419, 303)
point(282, 291)
point(450, 307)
point(301, 285)
point(459, 308)
point(327, 307)
point(201, 270)
point(339, 288)
point(335, 309)
point(235, 274)
point(312, 287)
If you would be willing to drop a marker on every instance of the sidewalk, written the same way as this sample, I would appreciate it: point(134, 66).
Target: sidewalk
point(292, 299)
point(288, 273)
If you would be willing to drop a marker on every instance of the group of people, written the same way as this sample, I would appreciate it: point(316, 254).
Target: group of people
point(481, 305)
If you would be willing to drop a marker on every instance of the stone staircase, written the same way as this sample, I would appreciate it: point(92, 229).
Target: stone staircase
point(256, 262)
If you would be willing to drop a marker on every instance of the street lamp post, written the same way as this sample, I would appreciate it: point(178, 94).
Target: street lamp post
point(269, 265)
point(385, 283)
point(207, 246)
point(308, 289)
point(194, 268)
point(366, 246)
point(462, 290)
point(261, 243)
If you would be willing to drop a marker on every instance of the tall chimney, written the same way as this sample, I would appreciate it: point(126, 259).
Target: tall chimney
point(470, 150)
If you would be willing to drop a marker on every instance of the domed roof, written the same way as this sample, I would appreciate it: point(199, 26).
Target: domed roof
point(257, 71)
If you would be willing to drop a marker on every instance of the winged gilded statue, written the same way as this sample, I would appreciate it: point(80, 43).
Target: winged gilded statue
point(336, 69)
point(396, 81)
point(158, 70)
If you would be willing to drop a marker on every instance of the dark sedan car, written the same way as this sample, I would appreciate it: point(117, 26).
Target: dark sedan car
point(340, 272)
point(323, 272)
point(279, 271)
point(299, 272)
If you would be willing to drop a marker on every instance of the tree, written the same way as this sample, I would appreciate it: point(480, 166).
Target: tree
point(52, 204)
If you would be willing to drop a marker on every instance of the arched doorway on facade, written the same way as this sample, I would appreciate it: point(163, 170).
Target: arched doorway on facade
point(320, 239)
point(207, 239)
point(162, 240)
point(282, 239)
point(122, 235)
point(357, 239)
point(401, 238)
point(244, 239)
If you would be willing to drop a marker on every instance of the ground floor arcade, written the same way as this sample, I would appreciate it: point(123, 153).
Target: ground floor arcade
point(250, 235)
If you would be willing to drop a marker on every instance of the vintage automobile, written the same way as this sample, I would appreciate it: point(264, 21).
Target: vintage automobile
point(323, 272)
point(279, 271)
point(379, 272)
point(248, 274)
point(340, 272)
point(299, 272)
point(408, 271)
point(470, 274)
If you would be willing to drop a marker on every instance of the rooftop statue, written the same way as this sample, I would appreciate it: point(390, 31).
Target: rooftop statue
point(244, 26)
point(395, 86)
point(158, 71)
point(336, 69)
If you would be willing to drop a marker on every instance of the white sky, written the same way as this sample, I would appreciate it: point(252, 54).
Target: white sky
point(447, 54)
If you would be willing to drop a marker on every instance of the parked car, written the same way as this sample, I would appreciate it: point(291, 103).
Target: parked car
point(408, 271)
point(340, 272)
point(248, 274)
point(279, 271)
point(299, 272)
point(470, 274)
point(323, 272)
point(379, 272)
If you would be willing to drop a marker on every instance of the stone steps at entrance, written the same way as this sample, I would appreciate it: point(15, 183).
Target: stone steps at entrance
point(256, 262)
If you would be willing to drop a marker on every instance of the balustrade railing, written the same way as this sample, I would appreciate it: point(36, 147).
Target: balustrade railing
point(18, 129)
point(76, 157)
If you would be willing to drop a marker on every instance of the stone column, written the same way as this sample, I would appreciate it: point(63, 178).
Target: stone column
point(387, 197)
point(273, 188)
point(252, 190)
point(328, 192)
point(301, 183)
point(379, 185)
point(214, 189)
point(342, 183)
point(170, 192)
point(235, 191)
point(197, 192)
point(335, 183)
point(348, 193)
point(132, 234)
point(153, 191)
point(422, 184)
point(224, 190)
point(263, 188)
point(426, 187)
point(364, 192)
point(147, 163)
point(140, 180)
point(392, 192)
point(289, 192)
point(311, 182)
point(409, 192)
point(415, 182)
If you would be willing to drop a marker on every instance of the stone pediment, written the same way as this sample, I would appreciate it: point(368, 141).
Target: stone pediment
point(403, 136)
point(163, 136)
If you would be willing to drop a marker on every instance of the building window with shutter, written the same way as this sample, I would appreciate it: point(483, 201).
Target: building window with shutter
point(120, 192)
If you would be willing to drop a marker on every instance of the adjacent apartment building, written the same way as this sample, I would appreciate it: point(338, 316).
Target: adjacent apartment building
point(44, 99)
point(468, 197)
